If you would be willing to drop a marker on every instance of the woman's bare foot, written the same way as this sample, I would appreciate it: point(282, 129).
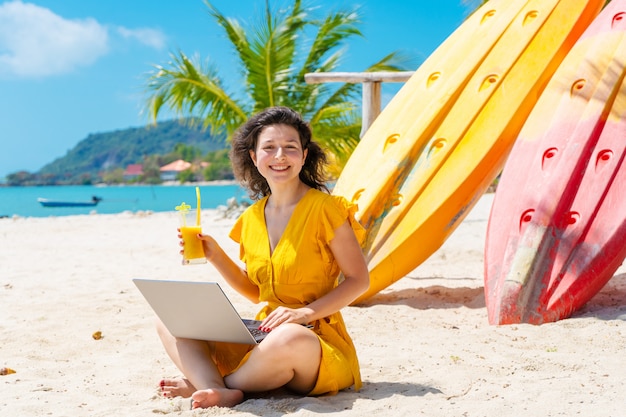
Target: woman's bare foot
point(221, 397)
point(177, 388)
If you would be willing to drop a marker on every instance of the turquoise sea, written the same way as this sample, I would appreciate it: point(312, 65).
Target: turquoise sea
point(22, 201)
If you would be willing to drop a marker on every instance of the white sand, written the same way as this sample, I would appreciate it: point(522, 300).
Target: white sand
point(424, 343)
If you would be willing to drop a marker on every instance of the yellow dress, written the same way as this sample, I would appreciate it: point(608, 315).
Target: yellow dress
point(300, 270)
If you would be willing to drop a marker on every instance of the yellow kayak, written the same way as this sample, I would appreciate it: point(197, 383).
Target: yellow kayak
point(444, 137)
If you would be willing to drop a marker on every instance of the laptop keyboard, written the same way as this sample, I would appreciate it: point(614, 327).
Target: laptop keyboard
point(253, 328)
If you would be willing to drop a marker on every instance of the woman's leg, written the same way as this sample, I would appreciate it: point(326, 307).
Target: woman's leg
point(289, 356)
point(194, 359)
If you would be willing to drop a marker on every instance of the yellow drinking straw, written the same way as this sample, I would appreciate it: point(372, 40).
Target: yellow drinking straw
point(198, 206)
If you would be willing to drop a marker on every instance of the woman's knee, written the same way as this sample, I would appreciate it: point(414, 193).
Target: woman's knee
point(293, 338)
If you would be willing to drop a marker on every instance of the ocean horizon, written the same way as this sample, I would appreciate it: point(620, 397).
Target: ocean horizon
point(23, 201)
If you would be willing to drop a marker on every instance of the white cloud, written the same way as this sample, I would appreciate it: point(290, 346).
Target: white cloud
point(151, 37)
point(35, 42)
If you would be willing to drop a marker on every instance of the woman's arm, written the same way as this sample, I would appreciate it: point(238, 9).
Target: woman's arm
point(351, 261)
point(232, 273)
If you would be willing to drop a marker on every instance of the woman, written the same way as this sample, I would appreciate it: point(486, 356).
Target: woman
point(295, 241)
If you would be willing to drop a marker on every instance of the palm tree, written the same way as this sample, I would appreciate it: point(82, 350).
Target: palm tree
point(273, 57)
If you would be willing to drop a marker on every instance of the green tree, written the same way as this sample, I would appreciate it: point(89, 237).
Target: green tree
point(187, 153)
point(151, 172)
point(115, 176)
point(186, 176)
point(219, 166)
point(20, 178)
point(274, 58)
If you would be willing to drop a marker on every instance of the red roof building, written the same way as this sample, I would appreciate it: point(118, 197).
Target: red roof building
point(171, 170)
point(133, 171)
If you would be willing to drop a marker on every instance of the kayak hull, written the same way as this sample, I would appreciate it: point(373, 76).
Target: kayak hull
point(557, 229)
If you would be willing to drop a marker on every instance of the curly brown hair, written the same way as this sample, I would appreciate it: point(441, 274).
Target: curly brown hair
point(245, 140)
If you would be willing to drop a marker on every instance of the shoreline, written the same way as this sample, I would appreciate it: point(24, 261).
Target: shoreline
point(166, 183)
point(24, 201)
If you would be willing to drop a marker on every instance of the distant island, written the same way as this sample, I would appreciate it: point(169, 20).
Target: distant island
point(166, 151)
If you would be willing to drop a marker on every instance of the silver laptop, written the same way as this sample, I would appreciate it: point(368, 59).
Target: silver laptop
point(198, 310)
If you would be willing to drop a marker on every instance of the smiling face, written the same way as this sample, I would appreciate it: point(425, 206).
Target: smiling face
point(279, 156)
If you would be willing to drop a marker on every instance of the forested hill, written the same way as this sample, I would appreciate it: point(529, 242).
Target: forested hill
point(102, 152)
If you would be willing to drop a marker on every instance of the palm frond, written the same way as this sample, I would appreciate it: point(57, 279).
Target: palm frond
point(395, 61)
point(333, 32)
point(337, 127)
point(266, 52)
point(190, 88)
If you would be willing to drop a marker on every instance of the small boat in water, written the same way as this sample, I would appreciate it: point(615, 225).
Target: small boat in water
point(55, 203)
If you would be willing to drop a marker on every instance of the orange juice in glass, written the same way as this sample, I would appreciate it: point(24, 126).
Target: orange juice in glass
point(193, 252)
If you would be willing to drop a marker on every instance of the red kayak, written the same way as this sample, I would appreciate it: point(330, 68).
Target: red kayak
point(557, 229)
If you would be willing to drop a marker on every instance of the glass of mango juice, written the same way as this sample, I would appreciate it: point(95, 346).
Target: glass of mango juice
point(193, 252)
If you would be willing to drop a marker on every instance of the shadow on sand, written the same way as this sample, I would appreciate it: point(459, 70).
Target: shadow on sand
point(609, 303)
point(434, 296)
point(279, 403)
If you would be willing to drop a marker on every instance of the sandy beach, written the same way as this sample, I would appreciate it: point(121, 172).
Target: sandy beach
point(425, 346)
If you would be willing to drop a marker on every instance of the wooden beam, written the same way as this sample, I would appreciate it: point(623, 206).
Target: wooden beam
point(371, 97)
point(357, 77)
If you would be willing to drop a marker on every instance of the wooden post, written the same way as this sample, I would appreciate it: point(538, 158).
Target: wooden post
point(370, 104)
point(371, 81)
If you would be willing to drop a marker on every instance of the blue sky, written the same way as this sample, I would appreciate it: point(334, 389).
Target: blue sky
point(69, 68)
